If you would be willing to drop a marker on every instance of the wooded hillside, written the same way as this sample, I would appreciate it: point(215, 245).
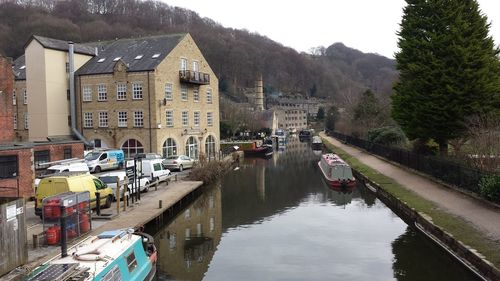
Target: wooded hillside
point(237, 56)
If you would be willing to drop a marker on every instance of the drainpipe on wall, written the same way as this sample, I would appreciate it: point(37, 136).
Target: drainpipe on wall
point(72, 99)
point(149, 114)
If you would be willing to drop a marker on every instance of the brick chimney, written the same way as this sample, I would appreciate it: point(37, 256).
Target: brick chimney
point(6, 107)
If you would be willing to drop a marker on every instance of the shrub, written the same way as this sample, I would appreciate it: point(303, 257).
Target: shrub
point(209, 171)
point(490, 187)
point(387, 136)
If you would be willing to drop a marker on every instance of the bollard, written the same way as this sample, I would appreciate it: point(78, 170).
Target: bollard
point(64, 245)
point(160, 204)
point(98, 203)
point(125, 202)
point(156, 186)
point(175, 177)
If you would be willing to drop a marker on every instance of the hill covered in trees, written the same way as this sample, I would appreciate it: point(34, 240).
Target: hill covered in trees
point(237, 56)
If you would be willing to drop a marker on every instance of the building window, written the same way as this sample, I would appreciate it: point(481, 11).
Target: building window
point(196, 95)
point(8, 166)
point(121, 91)
point(103, 119)
point(137, 91)
point(210, 119)
point(87, 93)
point(138, 119)
point(122, 119)
point(210, 146)
point(168, 91)
point(169, 148)
point(196, 66)
point(42, 156)
point(97, 143)
point(67, 153)
point(185, 118)
point(102, 94)
point(209, 96)
point(184, 92)
point(14, 98)
point(25, 97)
point(192, 148)
point(131, 147)
point(169, 116)
point(15, 121)
point(88, 120)
point(196, 118)
point(26, 121)
point(184, 64)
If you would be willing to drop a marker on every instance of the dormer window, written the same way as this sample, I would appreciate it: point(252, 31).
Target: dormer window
point(139, 57)
point(155, 56)
point(101, 60)
point(117, 58)
point(23, 67)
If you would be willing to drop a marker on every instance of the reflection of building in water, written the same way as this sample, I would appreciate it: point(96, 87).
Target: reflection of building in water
point(261, 182)
point(186, 246)
point(296, 153)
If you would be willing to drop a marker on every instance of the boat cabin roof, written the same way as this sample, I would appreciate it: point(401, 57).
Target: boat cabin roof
point(333, 159)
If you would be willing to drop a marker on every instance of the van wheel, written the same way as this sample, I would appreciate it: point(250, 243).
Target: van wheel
point(109, 199)
point(147, 187)
point(97, 169)
point(181, 168)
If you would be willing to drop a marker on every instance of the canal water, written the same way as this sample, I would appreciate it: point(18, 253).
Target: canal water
point(277, 219)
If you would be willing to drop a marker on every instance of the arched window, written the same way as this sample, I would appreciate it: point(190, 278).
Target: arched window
point(169, 148)
point(192, 148)
point(210, 146)
point(131, 147)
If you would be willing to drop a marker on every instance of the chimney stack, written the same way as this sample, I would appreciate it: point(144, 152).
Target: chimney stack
point(259, 94)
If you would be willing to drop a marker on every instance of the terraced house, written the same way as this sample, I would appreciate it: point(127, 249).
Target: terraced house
point(153, 94)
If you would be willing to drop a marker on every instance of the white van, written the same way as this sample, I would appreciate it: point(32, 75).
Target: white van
point(110, 180)
point(76, 166)
point(154, 170)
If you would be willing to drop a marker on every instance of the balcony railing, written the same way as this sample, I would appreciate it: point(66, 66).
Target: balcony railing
point(194, 77)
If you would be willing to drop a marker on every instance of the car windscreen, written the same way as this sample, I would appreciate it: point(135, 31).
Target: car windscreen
point(92, 156)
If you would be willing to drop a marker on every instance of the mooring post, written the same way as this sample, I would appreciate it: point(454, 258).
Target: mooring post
point(98, 203)
point(160, 204)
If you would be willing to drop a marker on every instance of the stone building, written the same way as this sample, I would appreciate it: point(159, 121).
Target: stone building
point(154, 94)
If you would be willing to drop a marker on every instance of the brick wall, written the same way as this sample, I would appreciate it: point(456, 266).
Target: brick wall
point(57, 150)
point(6, 111)
point(22, 186)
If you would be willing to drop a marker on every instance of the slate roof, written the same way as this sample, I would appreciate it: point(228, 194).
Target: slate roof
point(61, 45)
point(19, 68)
point(153, 50)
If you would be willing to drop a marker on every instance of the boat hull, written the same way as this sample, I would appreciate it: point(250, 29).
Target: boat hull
point(336, 183)
point(263, 151)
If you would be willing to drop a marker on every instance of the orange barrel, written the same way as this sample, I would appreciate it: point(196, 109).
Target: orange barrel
point(57, 228)
point(56, 209)
point(51, 235)
point(84, 223)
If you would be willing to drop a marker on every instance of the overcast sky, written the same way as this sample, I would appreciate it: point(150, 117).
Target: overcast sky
point(367, 25)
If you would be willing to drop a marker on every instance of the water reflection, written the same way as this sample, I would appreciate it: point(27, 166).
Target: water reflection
point(277, 219)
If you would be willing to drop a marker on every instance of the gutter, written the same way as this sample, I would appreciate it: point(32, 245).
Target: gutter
point(72, 98)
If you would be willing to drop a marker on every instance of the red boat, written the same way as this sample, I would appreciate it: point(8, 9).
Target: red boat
point(261, 151)
point(336, 171)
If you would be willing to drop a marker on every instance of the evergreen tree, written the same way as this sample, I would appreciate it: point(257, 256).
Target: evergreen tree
point(332, 116)
point(449, 69)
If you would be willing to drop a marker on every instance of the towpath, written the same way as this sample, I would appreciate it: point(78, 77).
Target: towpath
point(482, 216)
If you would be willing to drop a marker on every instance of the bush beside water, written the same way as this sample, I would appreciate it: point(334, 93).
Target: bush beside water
point(490, 187)
point(208, 172)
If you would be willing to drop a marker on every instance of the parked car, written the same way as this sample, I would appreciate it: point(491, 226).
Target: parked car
point(73, 166)
point(110, 180)
point(149, 156)
point(76, 183)
point(180, 162)
point(100, 160)
point(154, 170)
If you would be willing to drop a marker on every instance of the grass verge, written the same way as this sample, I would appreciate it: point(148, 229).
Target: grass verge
point(456, 226)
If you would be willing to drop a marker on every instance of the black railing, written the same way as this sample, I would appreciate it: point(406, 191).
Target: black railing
point(194, 77)
point(445, 170)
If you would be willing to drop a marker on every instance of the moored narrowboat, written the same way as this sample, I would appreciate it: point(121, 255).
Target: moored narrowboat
point(336, 171)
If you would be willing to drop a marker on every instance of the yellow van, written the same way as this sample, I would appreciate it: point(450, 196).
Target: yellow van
point(73, 183)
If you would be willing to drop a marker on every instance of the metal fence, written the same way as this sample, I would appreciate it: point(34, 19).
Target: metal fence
point(13, 243)
point(439, 168)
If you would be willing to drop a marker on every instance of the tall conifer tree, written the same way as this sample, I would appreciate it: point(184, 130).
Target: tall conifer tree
point(449, 69)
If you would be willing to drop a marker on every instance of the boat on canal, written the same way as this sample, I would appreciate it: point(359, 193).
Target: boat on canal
point(336, 171)
point(264, 150)
point(111, 255)
point(316, 144)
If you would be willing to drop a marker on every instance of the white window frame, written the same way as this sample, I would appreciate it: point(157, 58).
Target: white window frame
point(185, 118)
point(26, 121)
point(169, 89)
point(184, 92)
point(88, 121)
point(169, 117)
point(87, 93)
point(196, 118)
point(102, 92)
point(122, 119)
point(121, 91)
point(14, 97)
point(103, 119)
point(210, 119)
point(184, 64)
point(209, 96)
point(196, 94)
point(25, 96)
point(137, 91)
point(196, 65)
point(138, 119)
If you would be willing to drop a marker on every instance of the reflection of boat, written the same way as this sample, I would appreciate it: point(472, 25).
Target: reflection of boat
point(261, 151)
point(317, 152)
point(111, 255)
point(337, 172)
point(305, 135)
point(316, 144)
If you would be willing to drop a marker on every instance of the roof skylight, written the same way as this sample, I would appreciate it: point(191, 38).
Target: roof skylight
point(117, 58)
point(101, 60)
point(155, 55)
point(139, 57)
